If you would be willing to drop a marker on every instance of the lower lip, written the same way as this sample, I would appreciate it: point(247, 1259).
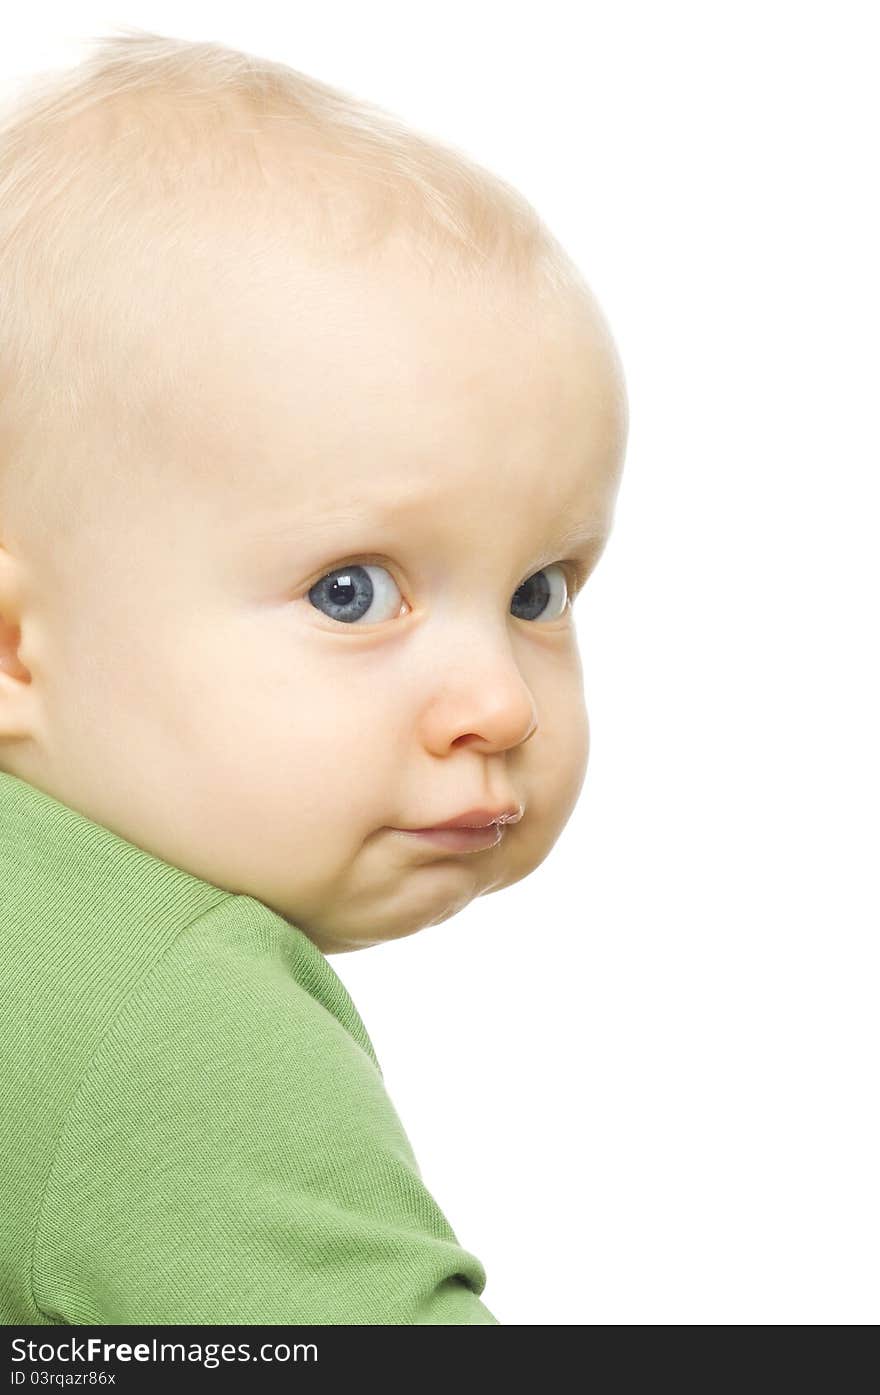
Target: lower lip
point(457, 839)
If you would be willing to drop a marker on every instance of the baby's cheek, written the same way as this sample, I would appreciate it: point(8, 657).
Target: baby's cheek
point(570, 760)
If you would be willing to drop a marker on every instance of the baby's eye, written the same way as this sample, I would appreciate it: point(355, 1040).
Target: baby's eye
point(536, 597)
point(348, 594)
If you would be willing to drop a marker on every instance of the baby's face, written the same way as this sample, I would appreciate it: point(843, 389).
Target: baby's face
point(349, 614)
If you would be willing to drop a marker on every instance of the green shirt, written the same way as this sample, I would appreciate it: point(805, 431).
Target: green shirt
point(194, 1126)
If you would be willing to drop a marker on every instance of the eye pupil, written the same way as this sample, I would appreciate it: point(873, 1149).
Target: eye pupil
point(344, 583)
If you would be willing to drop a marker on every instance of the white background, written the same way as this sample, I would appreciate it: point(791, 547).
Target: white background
point(642, 1083)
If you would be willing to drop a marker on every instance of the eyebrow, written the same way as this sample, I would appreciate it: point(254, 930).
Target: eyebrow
point(585, 539)
point(585, 533)
point(594, 530)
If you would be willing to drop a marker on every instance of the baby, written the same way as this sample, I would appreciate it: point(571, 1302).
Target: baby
point(310, 435)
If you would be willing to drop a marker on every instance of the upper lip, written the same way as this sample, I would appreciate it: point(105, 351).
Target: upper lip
point(480, 818)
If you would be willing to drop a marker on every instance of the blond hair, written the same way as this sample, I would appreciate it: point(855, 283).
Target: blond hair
point(120, 174)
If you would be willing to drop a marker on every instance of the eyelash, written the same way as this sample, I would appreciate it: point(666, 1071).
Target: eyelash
point(576, 572)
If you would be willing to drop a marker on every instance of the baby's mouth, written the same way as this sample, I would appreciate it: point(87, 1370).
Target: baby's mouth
point(462, 840)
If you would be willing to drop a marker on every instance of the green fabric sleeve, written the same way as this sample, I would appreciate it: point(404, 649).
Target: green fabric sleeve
point(232, 1156)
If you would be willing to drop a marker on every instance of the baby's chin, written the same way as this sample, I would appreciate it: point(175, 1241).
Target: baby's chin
point(337, 935)
point(431, 894)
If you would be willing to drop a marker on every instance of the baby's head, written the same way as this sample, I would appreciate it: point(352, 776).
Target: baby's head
point(309, 434)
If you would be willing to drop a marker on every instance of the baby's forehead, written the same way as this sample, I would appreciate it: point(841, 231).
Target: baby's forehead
point(281, 296)
point(346, 395)
point(353, 353)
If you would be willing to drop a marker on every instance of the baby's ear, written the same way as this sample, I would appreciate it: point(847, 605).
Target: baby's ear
point(18, 715)
point(16, 695)
point(10, 638)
